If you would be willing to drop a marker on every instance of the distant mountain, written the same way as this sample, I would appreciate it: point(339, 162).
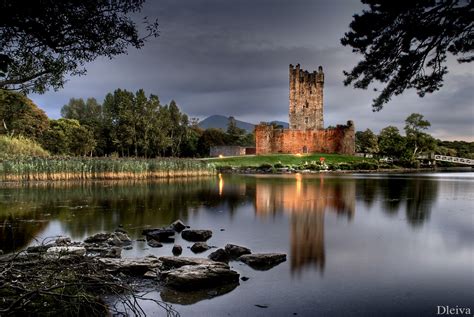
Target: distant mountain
point(221, 122)
point(284, 124)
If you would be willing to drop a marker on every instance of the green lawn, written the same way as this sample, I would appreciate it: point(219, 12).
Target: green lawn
point(284, 159)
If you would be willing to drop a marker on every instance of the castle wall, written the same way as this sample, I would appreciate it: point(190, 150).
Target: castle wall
point(337, 140)
point(306, 133)
point(306, 99)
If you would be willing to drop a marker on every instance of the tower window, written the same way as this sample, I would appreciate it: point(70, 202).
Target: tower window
point(306, 105)
point(306, 120)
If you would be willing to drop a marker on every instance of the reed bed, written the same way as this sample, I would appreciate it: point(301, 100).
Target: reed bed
point(53, 169)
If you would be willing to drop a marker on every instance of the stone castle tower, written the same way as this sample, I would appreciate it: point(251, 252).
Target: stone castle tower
point(306, 99)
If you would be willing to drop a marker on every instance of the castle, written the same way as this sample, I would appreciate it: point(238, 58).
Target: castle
point(306, 133)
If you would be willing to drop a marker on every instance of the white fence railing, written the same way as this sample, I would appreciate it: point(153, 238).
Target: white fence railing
point(453, 159)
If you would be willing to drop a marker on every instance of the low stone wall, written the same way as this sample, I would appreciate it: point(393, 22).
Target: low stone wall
point(335, 140)
point(226, 150)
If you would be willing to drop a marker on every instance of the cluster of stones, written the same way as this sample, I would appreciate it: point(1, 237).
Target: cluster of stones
point(175, 273)
point(104, 245)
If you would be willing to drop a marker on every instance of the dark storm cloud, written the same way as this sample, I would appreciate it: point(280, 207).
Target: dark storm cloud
point(231, 58)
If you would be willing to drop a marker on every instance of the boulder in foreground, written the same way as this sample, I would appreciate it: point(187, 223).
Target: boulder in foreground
point(263, 261)
point(159, 234)
point(177, 250)
point(199, 247)
point(196, 235)
point(172, 262)
point(235, 251)
point(133, 267)
point(178, 226)
point(196, 277)
point(219, 256)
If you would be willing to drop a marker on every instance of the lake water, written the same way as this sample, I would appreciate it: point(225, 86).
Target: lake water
point(357, 245)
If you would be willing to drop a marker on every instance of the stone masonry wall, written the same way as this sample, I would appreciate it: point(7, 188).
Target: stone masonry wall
point(226, 150)
point(306, 98)
point(306, 133)
point(338, 140)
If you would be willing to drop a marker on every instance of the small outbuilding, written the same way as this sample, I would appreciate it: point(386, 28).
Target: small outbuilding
point(230, 150)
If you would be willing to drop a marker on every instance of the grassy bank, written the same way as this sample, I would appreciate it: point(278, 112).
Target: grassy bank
point(296, 162)
point(79, 168)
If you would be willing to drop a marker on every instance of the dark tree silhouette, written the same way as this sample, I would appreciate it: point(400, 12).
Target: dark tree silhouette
point(43, 41)
point(405, 44)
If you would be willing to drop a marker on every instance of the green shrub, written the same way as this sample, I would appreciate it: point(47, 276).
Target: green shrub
point(364, 165)
point(278, 165)
point(19, 147)
point(407, 163)
point(343, 166)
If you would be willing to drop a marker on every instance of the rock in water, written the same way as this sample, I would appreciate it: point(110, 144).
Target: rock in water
point(134, 267)
point(63, 241)
point(162, 235)
point(154, 244)
point(98, 237)
point(177, 250)
point(114, 240)
point(67, 250)
point(219, 256)
point(235, 251)
point(123, 237)
point(172, 262)
point(196, 235)
point(263, 261)
point(199, 247)
point(195, 277)
point(114, 252)
point(178, 226)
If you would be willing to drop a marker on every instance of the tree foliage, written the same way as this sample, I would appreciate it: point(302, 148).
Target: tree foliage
point(417, 140)
point(391, 143)
point(235, 135)
point(43, 41)
point(211, 137)
point(366, 142)
point(404, 44)
point(20, 116)
point(125, 124)
point(87, 112)
point(68, 137)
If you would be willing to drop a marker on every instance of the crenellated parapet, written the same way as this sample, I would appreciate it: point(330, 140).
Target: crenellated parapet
point(306, 98)
point(306, 133)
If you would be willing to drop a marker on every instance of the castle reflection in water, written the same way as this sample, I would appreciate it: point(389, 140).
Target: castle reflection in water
point(306, 203)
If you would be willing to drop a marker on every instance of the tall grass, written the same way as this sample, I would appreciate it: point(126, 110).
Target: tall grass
point(78, 168)
point(19, 147)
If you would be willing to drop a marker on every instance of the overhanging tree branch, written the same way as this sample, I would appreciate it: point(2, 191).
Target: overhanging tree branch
point(43, 41)
point(405, 44)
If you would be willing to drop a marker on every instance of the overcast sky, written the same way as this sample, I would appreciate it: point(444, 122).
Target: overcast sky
point(232, 57)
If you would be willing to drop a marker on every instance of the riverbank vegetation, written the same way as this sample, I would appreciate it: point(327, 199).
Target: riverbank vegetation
point(82, 168)
point(390, 145)
point(295, 162)
point(126, 124)
point(133, 136)
point(20, 147)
